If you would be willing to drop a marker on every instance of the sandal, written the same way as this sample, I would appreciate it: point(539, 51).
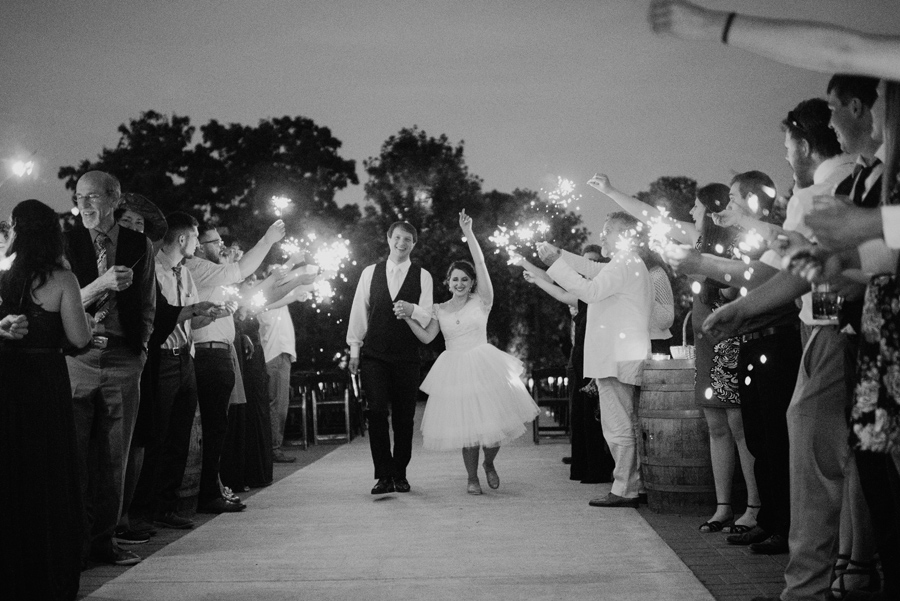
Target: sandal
point(858, 576)
point(715, 525)
point(741, 528)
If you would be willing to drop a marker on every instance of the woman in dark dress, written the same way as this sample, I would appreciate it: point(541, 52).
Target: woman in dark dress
point(41, 557)
point(258, 458)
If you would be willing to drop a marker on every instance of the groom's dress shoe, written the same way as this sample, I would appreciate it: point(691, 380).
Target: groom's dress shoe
point(384, 486)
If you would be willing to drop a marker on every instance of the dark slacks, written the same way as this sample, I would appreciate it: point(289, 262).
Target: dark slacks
point(215, 379)
point(166, 457)
point(391, 390)
point(591, 459)
point(879, 476)
point(105, 399)
point(767, 373)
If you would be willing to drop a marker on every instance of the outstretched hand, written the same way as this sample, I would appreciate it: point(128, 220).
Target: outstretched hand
point(724, 322)
point(682, 258)
point(600, 182)
point(465, 223)
point(548, 253)
point(683, 19)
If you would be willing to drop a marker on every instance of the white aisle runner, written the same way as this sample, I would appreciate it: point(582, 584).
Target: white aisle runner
point(320, 535)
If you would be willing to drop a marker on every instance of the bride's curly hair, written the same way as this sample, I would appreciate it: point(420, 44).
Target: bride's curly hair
point(467, 268)
point(38, 246)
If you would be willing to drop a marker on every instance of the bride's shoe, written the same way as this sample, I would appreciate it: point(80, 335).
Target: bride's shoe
point(474, 487)
point(493, 478)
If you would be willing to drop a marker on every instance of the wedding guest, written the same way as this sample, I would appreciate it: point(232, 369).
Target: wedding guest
point(41, 311)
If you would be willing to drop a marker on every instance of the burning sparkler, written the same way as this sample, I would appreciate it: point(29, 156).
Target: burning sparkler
point(280, 203)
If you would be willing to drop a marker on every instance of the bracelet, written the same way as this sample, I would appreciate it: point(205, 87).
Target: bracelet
point(727, 29)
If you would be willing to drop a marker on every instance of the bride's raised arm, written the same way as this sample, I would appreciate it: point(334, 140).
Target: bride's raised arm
point(484, 288)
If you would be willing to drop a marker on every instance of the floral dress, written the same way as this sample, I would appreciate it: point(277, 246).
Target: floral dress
point(875, 418)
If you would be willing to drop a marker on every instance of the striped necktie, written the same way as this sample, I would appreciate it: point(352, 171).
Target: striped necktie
point(102, 305)
point(177, 271)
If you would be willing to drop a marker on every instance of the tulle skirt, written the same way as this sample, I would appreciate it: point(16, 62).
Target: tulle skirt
point(475, 397)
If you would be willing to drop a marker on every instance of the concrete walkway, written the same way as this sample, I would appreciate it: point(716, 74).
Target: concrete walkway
point(319, 534)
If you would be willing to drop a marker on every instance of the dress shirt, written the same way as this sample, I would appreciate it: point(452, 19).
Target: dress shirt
point(111, 326)
point(359, 312)
point(276, 331)
point(168, 285)
point(210, 279)
point(620, 299)
point(826, 178)
point(880, 255)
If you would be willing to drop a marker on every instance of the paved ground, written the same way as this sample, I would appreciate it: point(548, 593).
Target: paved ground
point(310, 535)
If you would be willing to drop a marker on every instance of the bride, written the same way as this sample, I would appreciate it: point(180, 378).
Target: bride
point(476, 395)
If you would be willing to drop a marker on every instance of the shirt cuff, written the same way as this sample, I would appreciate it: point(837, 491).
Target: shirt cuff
point(890, 220)
point(354, 351)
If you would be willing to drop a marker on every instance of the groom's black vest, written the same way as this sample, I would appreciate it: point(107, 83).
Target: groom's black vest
point(131, 251)
point(389, 338)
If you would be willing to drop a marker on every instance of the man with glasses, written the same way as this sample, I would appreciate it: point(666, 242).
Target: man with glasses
point(214, 359)
point(115, 270)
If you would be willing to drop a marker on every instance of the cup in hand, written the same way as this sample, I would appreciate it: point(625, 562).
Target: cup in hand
point(825, 302)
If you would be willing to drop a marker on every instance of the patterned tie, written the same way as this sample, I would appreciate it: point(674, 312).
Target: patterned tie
point(103, 302)
point(177, 271)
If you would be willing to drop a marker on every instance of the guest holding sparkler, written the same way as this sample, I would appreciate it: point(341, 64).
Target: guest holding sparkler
point(114, 266)
point(215, 357)
point(590, 461)
point(716, 386)
point(40, 305)
point(620, 301)
point(387, 353)
point(476, 395)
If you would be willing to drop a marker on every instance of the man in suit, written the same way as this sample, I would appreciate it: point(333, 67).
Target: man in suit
point(617, 340)
point(385, 350)
point(115, 270)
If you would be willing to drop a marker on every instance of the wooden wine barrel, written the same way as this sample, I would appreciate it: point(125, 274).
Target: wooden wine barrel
point(674, 440)
point(190, 483)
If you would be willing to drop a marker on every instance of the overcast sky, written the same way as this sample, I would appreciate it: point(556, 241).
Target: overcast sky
point(536, 89)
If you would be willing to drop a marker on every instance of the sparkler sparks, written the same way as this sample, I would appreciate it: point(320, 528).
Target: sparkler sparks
point(280, 203)
point(564, 193)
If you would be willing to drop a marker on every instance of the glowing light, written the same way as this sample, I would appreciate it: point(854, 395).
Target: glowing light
point(280, 203)
point(323, 289)
point(74, 211)
point(762, 359)
point(564, 194)
point(747, 381)
point(622, 335)
point(727, 277)
point(22, 168)
point(709, 393)
point(258, 301)
point(696, 287)
point(719, 249)
point(290, 246)
point(750, 367)
point(753, 203)
point(769, 191)
point(743, 291)
point(231, 292)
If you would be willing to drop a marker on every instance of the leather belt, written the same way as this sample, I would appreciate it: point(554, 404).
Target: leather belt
point(221, 345)
point(175, 352)
point(769, 332)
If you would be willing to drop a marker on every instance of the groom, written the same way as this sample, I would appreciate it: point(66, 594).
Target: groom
point(386, 352)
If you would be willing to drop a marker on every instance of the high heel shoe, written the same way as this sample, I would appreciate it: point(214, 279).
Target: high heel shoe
point(857, 576)
point(493, 478)
point(474, 487)
point(715, 525)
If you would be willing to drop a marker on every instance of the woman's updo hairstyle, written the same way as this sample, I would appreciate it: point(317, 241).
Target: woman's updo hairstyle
point(466, 268)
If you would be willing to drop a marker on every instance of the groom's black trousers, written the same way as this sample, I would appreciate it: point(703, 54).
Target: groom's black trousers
point(391, 390)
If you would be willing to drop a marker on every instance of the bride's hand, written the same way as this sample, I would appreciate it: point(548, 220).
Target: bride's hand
point(465, 223)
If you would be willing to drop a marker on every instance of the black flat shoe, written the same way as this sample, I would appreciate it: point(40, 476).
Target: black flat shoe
point(774, 545)
point(384, 486)
point(401, 485)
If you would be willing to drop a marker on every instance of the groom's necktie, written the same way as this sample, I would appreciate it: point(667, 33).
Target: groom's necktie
point(395, 280)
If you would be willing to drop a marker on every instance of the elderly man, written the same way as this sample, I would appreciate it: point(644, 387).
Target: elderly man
point(214, 358)
point(115, 270)
point(617, 340)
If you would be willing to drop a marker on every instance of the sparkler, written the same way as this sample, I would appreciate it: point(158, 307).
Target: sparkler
point(258, 301)
point(280, 203)
point(564, 194)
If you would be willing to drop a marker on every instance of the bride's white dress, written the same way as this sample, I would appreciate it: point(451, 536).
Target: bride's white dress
point(475, 393)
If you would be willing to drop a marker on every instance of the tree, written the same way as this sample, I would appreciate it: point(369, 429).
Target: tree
point(675, 194)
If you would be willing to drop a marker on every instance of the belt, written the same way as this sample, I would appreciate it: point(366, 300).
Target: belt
point(30, 350)
point(210, 345)
point(769, 332)
point(175, 352)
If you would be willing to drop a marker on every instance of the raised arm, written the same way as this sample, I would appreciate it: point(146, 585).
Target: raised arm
point(681, 231)
point(254, 257)
point(816, 46)
point(552, 289)
point(485, 290)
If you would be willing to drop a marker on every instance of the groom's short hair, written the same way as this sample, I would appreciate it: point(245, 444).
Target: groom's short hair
point(407, 227)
